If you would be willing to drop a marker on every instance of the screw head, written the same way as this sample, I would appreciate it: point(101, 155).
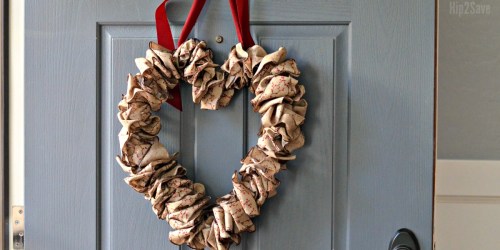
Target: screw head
point(20, 211)
point(21, 234)
point(16, 222)
point(219, 39)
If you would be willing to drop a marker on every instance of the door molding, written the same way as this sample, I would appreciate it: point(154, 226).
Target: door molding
point(467, 204)
point(4, 198)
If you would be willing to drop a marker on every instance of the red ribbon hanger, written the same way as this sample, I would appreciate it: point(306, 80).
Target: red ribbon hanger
point(165, 38)
point(163, 32)
point(241, 17)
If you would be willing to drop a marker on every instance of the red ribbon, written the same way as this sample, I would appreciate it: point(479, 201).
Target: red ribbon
point(241, 19)
point(166, 39)
point(194, 12)
point(163, 31)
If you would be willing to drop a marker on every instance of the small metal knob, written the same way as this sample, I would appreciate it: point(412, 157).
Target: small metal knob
point(219, 39)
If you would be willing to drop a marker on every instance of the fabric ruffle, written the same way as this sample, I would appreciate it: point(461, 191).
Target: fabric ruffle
point(195, 60)
point(163, 181)
point(239, 65)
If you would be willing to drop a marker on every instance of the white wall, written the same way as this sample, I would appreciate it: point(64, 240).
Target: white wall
point(16, 104)
point(467, 208)
point(467, 205)
point(468, 80)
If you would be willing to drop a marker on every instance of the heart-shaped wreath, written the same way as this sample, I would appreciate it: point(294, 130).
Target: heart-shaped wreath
point(156, 174)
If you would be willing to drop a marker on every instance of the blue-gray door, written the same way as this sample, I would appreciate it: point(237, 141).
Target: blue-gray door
point(366, 169)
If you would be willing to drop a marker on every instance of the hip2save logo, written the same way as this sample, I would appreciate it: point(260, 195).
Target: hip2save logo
point(469, 8)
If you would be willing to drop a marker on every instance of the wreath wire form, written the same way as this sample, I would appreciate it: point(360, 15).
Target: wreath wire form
point(162, 180)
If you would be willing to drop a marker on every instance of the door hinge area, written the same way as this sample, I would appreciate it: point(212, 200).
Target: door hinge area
point(18, 227)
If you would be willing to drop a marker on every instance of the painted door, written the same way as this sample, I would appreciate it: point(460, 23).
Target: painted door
point(366, 169)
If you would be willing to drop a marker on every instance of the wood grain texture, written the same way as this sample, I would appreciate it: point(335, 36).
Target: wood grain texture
point(469, 69)
point(60, 118)
point(341, 139)
point(366, 168)
point(306, 191)
point(261, 10)
point(125, 214)
point(391, 122)
point(219, 134)
point(239, 124)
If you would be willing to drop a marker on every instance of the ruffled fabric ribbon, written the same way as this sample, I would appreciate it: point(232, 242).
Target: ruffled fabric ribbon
point(163, 181)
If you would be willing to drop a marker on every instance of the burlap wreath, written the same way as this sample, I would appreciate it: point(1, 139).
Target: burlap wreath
point(156, 174)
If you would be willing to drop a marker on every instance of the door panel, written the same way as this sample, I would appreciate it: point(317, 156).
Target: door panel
point(124, 214)
point(366, 168)
point(303, 211)
point(113, 11)
point(221, 138)
point(391, 122)
point(60, 125)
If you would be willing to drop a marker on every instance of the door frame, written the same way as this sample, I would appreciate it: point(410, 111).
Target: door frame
point(4, 198)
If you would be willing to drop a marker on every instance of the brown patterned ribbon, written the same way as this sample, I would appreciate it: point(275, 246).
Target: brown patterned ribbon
point(163, 181)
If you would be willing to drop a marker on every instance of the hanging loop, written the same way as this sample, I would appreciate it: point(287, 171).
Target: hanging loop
point(163, 32)
point(241, 18)
point(165, 38)
point(191, 19)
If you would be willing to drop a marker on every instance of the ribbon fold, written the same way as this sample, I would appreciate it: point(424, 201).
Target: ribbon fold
point(165, 38)
point(241, 17)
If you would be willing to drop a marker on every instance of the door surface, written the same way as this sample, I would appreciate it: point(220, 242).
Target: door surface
point(366, 169)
